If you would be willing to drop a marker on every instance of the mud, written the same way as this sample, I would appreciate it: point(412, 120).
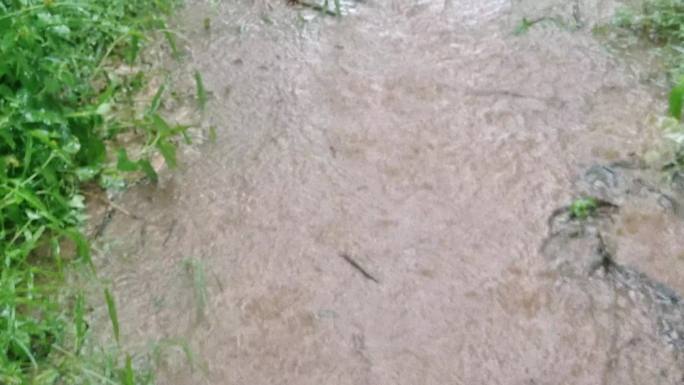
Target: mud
point(428, 144)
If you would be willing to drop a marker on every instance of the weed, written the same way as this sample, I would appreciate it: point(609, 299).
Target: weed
point(583, 208)
point(201, 91)
point(662, 23)
point(575, 24)
point(524, 26)
point(113, 316)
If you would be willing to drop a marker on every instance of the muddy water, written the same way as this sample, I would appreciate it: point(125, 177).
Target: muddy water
point(430, 145)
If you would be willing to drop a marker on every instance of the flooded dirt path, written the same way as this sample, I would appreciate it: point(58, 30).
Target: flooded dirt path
point(428, 144)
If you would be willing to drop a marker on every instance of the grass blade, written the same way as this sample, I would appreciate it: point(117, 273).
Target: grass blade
point(676, 101)
point(156, 100)
point(172, 43)
point(128, 375)
point(26, 351)
point(82, 245)
point(201, 91)
point(113, 316)
point(338, 8)
point(168, 151)
point(79, 321)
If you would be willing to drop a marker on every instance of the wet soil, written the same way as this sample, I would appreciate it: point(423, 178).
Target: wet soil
point(373, 208)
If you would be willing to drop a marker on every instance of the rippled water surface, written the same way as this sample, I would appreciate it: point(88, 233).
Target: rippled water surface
point(427, 143)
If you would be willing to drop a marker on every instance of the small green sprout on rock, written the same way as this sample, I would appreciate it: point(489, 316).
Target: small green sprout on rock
point(583, 208)
point(524, 26)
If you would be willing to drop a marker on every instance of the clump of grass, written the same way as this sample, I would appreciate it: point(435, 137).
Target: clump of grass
point(658, 20)
point(583, 208)
point(60, 115)
point(662, 23)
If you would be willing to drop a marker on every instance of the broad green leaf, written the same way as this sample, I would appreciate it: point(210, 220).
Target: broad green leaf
point(676, 101)
point(85, 174)
point(71, 145)
point(103, 108)
point(168, 151)
point(161, 126)
point(147, 168)
point(125, 164)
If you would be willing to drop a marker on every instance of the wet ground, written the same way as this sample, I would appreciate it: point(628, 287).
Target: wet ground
point(373, 209)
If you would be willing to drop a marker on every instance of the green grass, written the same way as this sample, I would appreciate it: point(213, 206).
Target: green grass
point(583, 208)
point(62, 109)
point(201, 91)
point(661, 22)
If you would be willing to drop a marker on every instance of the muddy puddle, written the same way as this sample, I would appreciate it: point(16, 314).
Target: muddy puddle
point(427, 144)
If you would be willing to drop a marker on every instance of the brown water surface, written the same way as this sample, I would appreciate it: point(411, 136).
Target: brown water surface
point(428, 143)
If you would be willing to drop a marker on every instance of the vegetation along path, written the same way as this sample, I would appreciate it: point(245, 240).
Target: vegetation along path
point(374, 205)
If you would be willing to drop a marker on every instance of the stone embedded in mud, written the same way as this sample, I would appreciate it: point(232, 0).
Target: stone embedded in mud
point(601, 178)
point(578, 248)
point(630, 181)
point(574, 246)
point(678, 182)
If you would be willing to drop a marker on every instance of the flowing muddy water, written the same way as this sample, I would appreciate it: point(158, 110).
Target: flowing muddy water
point(427, 144)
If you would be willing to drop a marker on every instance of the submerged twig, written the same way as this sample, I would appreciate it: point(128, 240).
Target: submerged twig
point(106, 219)
point(113, 205)
point(358, 267)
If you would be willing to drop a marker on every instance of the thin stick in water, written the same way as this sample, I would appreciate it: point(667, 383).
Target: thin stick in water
point(358, 267)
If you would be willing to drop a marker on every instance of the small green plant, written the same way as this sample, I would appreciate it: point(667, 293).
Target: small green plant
point(583, 208)
point(524, 26)
point(113, 315)
point(201, 91)
point(676, 100)
point(674, 129)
